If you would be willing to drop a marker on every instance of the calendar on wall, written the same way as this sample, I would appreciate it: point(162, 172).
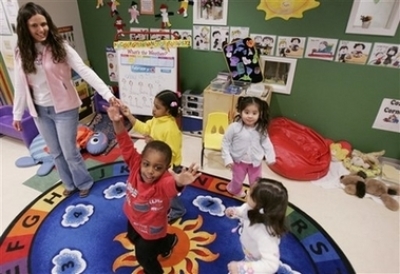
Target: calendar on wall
point(144, 72)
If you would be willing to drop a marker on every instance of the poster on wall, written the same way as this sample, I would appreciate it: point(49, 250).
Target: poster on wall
point(112, 65)
point(353, 52)
point(265, 43)
point(388, 116)
point(67, 33)
point(143, 72)
point(8, 37)
point(385, 55)
point(290, 46)
point(212, 12)
point(321, 48)
point(5, 28)
point(147, 7)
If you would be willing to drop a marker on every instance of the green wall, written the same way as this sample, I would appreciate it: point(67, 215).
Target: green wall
point(340, 101)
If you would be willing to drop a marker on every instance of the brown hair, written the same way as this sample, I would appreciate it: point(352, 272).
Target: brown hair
point(271, 201)
point(26, 44)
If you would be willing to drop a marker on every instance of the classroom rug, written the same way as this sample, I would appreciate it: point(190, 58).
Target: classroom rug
point(43, 183)
point(55, 234)
point(102, 123)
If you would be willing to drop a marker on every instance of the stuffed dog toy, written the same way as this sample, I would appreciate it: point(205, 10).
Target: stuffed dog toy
point(358, 184)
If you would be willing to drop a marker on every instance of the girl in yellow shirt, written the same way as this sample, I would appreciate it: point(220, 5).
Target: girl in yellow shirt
point(163, 127)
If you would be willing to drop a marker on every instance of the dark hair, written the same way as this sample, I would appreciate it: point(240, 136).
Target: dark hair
point(271, 198)
point(263, 120)
point(26, 43)
point(170, 100)
point(161, 147)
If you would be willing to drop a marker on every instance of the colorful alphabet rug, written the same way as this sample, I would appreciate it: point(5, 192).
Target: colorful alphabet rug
point(73, 235)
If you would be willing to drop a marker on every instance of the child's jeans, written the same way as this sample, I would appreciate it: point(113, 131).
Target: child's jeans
point(177, 209)
point(239, 172)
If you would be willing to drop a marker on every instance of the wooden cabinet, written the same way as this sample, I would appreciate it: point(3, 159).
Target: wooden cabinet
point(215, 101)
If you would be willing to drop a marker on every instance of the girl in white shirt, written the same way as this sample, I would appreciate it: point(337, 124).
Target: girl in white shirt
point(263, 219)
point(246, 143)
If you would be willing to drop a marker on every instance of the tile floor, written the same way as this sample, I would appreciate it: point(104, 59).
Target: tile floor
point(366, 231)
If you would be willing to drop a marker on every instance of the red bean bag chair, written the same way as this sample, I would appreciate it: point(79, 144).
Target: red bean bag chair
point(301, 153)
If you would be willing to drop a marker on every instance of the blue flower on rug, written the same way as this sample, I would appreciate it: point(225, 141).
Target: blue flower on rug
point(209, 204)
point(115, 191)
point(77, 215)
point(68, 262)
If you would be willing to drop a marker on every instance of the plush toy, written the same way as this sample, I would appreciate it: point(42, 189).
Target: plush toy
point(366, 162)
point(358, 184)
point(339, 150)
point(39, 155)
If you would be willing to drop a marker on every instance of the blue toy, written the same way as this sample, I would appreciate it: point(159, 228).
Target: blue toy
point(39, 155)
point(97, 143)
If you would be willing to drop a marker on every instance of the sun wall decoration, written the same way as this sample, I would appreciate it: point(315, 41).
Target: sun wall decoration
point(286, 9)
point(190, 239)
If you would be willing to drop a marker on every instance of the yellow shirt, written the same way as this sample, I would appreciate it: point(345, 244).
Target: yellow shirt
point(163, 129)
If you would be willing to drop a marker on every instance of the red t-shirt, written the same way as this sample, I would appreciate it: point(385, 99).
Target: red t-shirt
point(146, 205)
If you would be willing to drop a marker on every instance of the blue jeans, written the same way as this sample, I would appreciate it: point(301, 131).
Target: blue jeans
point(177, 208)
point(59, 131)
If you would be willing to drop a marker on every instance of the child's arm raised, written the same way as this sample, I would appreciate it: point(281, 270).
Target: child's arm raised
point(187, 176)
point(129, 153)
point(138, 126)
point(127, 113)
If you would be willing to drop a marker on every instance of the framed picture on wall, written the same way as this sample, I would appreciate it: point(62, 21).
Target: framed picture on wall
point(374, 17)
point(278, 72)
point(210, 12)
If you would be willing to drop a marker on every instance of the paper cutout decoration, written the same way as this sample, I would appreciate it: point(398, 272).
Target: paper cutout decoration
point(242, 58)
point(119, 25)
point(184, 7)
point(134, 12)
point(113, 6)
point(100, 3)
point(286, 9)
point(164, 15)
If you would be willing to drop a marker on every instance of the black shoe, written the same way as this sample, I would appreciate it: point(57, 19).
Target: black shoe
point(168, 253)
point(172, 220)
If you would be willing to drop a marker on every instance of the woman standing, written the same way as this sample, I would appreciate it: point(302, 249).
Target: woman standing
point(43, 63)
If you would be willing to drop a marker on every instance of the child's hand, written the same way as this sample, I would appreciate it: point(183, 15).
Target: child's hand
point(233, 267)
point(113, 113)
point(230, 212)
point(229, 166)
point(187, 176)
point(125, 110)
point(147, 139)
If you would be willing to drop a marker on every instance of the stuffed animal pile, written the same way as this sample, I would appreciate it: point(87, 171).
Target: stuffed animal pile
point(359, 184)
point(365, 162)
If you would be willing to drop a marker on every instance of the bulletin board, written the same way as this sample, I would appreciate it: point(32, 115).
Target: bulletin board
point(143, 72)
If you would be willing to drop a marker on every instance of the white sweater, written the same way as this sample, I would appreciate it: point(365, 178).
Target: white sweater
point(260, 248)
point(242, 144)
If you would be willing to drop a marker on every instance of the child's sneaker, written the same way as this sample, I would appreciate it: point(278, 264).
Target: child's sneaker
point(241, 195)
point(168, 253)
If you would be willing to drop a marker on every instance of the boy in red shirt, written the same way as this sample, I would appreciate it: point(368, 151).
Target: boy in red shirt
point(150, 189)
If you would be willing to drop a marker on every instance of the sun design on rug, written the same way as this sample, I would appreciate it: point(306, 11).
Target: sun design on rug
point(191, 246)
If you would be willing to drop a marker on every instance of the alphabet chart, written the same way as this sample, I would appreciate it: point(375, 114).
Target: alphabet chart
point(144, 72)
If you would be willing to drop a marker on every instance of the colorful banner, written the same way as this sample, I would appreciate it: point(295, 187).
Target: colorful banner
point(166, 44)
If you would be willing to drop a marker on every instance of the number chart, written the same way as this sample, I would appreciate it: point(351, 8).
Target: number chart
point(144, 72)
